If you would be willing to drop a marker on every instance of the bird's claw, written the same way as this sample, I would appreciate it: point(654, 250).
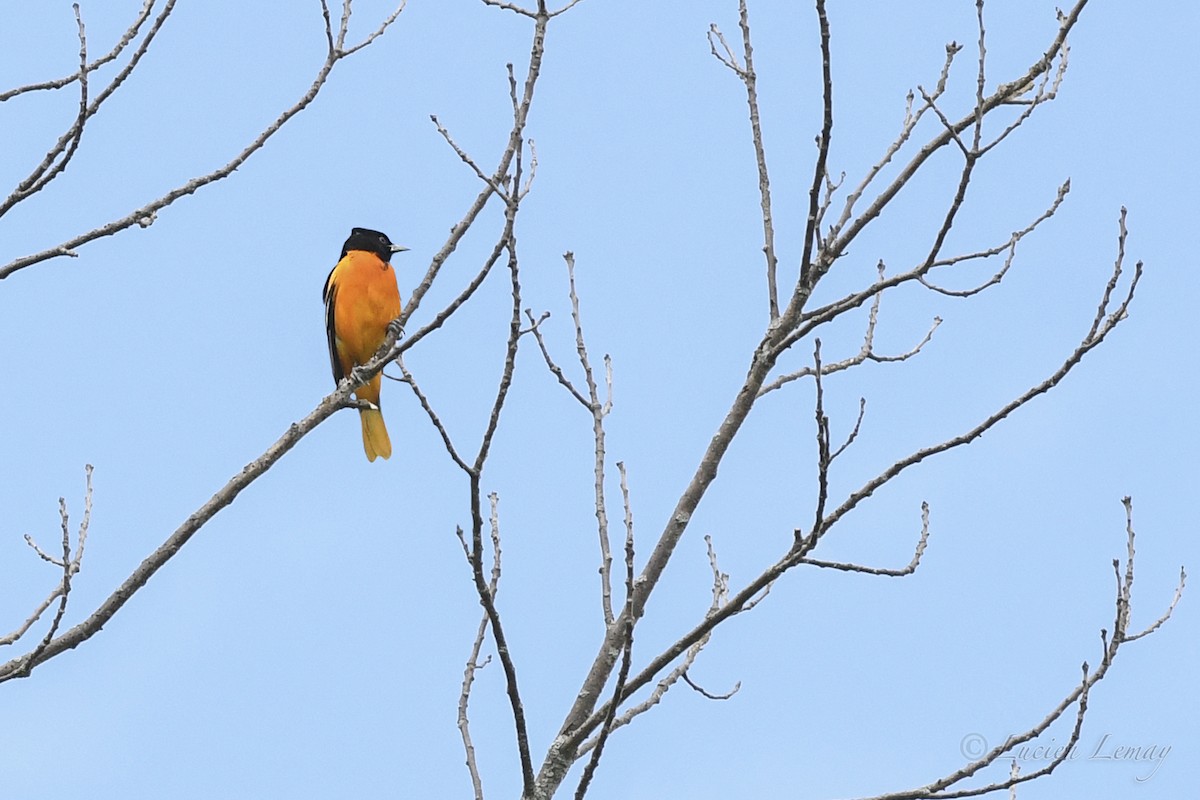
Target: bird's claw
point(396, 329)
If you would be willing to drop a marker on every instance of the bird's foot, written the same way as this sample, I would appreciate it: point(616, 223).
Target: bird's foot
point(396, 329)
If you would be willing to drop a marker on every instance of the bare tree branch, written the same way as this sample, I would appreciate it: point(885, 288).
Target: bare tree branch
point(822, 429)
point(1009, 246)
point(809, 321)
point(56, 160)
point(710, 695)
point(498, 177)
point(507, 242)
point(910, 123)
point(486, 597)
point(750, 79)
point(126, 38)
point(922, 543)
point(433, 417)
point(70, 563)
point(540, 13)
point(865, 353)
point(77, 635)
point(810, 273)
point(606, 728)
point(473, 662)
point(720, 594)
point(837, 242)
point(1101, 327)
point(598, 410)
point(470, 162)
point(1078, 696)
point(147, 214)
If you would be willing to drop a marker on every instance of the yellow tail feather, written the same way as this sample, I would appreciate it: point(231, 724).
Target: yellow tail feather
point(375, 435)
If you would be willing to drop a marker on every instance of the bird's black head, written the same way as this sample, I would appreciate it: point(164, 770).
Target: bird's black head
point(371, 241)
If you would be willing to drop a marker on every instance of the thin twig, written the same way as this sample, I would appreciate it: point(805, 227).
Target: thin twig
point(466, 159)
point(598, 411)
point(822, 429)
point(911, 119)
point(922, 543)
point(750, 79)
point(711, 695)
point(810, 273)
point(865, 353)
point(433, 417)
point(70, 563)
point(1010, 247)
point(473, 662)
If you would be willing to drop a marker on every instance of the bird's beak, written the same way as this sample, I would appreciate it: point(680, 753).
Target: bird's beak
point(398, 248)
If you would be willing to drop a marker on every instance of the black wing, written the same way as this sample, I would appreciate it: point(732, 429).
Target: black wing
point(330, 294)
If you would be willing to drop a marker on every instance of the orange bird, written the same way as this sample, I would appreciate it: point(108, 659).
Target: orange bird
point(361, 300)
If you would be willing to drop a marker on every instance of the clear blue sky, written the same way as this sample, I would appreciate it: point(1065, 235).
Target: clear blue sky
point(310, 641)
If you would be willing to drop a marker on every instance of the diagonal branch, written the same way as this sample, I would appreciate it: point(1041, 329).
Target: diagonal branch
point(433, 417)
point(22, 665)
point(512, 148)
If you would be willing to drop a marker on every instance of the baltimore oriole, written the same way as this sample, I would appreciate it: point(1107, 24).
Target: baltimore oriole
point(361, 300)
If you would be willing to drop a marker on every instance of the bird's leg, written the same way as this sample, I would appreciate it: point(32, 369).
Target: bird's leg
point(395, 328)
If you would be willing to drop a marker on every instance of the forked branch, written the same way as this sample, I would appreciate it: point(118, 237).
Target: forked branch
point(599, 410)
point(69, 562)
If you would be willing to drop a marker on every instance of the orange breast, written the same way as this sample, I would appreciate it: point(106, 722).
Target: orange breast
point(366, 300)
